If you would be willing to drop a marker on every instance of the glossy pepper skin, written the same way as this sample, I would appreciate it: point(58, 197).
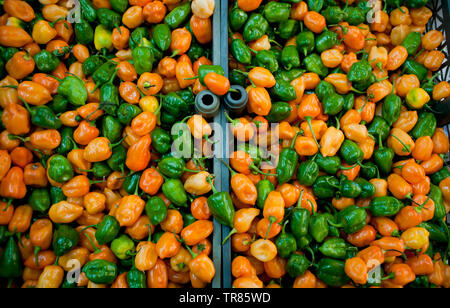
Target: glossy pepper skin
point(350, 152)
point(329, 164)
point(287, 163)
point(278, 112)
point(60, 169)
point(161, 140)
point(264, 188)
point(297, 265)
point(308, 172)
point(325, 187)
point(107, 230)
point(173, 189)
point(255, 27)
point(332, 272)
point(286, 243)
point(426, 125)
point(383, 157)
point(178, 16)
point(39, 200)
point(10, 261)
point(335, 248)
point(100, 271)
point(352, 219)
point(156, 210)
point(318, 227)
point(221, 207)
point(127, 112)
point(436, 195)
point(385, 206)
point(136, 279)
point(46, 61)
point(65, 238)
point(74, 90)
point(299, 222)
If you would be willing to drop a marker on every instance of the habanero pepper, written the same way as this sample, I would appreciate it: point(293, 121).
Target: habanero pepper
point(287, 163)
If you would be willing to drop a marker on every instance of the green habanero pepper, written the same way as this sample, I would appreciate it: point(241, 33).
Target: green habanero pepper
point(65, 238)
point(385, 206)
point(326, 40)
point(127, 112)
point(255, 27)
point(290, 57)
point(91, 64)
point(56, 194)
point(173, 189)
point(279, 112)
point(138, 36)
point(136, 279)
point(46, 61)
point(287, 163)
point(335, 248)
point(391, 108)
point(100, 170)
point(39, 200)
point(359, 71)
point(333, 14)
point(162, 36)
point(329, 164)
point(117, 160)
point(277, 11)
point(308, 172)
point(206, 69)
point(237, 18)
point(119, 6)
point(333, 104)
point(174, 105)
point(299, 221)
point(437, 233)
point(103, 38)
point(367, 188)
point(264, 188)
point(436, 195)
point(156, 210)
point(111, 128)
point(297, 265)
point(286, 243)
point(173, 167)
point(349, 189)
point(241, 52)
point(266, 59)
point(67, 143)
point(318, 227)
point(108, 18)
point(104, 73)
point(11, 261)
point(123, 247)
point(305, 42)
point(131, 183)
point(352, 219)
point(84, 34)
point(355, 15)
point(88, 11)
point(314, 64)
point(188, 219)
point(74, 89)
point(439, 176)
point(379, 128)
point(315, 5)
point(58, 104)
point(143, 59)
point(383, 157)
point(369, 170)
point(178, 16)
point(221, 206)
point(425, 126)
point(107, 230)
point(288, 28)
point(324, 89)
point(60, 169)
point(161, 140)
point(109, 97)
point(412, 67)
point(332, 272)
point(325, 187)
point(350, 152)
point(283, 91)
point(43, 116)
point(100, 271)
point(412, 42)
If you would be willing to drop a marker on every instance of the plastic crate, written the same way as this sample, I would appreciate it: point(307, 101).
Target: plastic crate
point(440, 21)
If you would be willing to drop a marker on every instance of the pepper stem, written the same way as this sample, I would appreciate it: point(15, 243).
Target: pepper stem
point(209, 179)
point(193, 254)
point(308, 120)
point(406, 148)
point(272, 219)
point(299, 202)
point(233, 231)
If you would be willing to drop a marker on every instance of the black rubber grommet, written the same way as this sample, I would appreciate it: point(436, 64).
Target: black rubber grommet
point(207, 104)
point(236, 102)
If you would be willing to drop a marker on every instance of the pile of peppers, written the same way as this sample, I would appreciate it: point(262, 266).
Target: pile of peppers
point(359, 191)
point(92, 176)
